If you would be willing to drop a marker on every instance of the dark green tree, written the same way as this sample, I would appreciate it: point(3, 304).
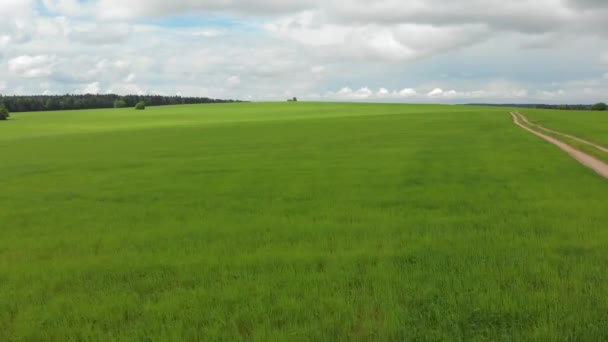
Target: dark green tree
point(51, 104)
point(599, 106)
point(3, 112)
point(140, 105)
point(120, 103)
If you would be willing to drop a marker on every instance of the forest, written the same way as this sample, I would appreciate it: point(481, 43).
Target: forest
point(37, 103)
point(601, 106)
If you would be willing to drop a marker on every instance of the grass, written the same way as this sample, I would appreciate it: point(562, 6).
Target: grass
point(589, 125)
point(296, 221)
point(585, 125)
point(581, 146)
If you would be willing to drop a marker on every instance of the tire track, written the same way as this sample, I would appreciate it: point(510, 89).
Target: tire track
point(588, 161)
point(586, 142)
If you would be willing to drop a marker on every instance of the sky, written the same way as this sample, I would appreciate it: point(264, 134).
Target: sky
point(411, 51)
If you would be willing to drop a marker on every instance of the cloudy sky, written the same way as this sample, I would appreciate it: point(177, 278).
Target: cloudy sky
point(458, 51)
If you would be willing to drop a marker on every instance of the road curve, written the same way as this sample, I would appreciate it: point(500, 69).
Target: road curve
point(593, 163)
point(599, 147)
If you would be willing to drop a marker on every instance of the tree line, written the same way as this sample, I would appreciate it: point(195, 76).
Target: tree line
point(598, 106)
point(37, 103)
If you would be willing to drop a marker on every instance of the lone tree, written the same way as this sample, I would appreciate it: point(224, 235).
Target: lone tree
point(3, 112)
point(599, 106)
point(120, 104)
point(140, 105)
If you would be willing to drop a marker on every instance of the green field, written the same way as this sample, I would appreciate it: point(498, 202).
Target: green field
point(298, 222)
point(589, 125)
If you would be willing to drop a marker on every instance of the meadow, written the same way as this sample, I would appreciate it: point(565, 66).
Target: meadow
point(298, 222)
point(588, 125)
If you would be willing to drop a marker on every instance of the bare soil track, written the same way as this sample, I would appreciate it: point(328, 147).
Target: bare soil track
point(593, 163)
point(599, 147)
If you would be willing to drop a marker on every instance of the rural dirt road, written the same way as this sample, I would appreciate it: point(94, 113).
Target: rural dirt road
point(593, 163)
point(599, 147)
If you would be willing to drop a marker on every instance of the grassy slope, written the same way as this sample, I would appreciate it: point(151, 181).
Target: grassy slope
point(296, 221)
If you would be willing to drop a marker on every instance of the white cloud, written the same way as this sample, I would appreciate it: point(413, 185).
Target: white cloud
point(4, 40)
point(366, 94)
point(32, 66)
point(345, 91)
point(495, 92)
point(108, 33)
point(408, 92)
point(233, 81)
point(269, 47)
point(539, 41)
point(383, 92)
point(91, 88)
point(363, 93)
point(64, 7)
point(521, 16)
point(604, 58)
point(128, 9)
point(395, 42)
point(15, 8)
point(435, 92)
point(130, 78)
point(317, 70)
point(131, 88)
point(547, 94)
point(210, 33)
point(395, 95)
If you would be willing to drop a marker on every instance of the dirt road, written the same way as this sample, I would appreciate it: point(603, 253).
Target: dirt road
point(599, 147)
point(593, 163)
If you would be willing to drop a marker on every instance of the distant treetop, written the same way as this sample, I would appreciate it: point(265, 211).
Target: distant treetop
point(542, 106)
point(36, 103)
